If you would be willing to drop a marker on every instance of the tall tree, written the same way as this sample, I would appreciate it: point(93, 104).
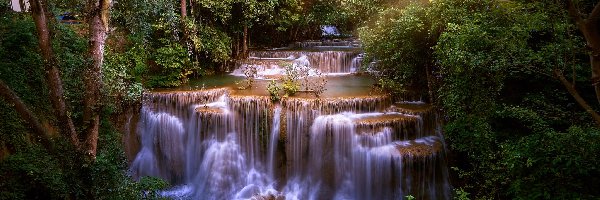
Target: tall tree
point(98, 11)
point(183, 9)
point(22, 6)
point(589, 25)
point(39, 12)
point(98, 16)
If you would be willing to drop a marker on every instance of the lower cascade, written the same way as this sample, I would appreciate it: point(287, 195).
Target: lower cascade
point(212, 144)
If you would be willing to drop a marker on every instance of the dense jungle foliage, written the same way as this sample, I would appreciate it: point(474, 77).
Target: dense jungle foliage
point(491, 67)
point(28, 170)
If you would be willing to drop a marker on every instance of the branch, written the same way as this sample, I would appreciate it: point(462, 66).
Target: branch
point(11, 97)
point(52, 75)
point(595, 15)
point(574, 13)
point(577, 97)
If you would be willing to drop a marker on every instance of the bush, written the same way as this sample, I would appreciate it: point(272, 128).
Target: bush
point(174, 65)
point(273, 90)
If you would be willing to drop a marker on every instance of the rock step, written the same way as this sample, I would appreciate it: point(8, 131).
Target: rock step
point(425, 147)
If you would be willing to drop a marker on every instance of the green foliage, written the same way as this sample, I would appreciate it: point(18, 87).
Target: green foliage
point(211, 40)
point(122, 75)
point(30, 172)
point(174, 66)
point(151, 52)
point(511, 125)
point(138, 17)
point(4, 7)
point(290, 87)
point(21, 69)
point(71, 52)
point(291, 80)
point(460, 194)
point(398, 41)
point(347, 15)
point(298, 77)
point(568, 158)
point(36, 174)
point(273, 90)
point(108, 177)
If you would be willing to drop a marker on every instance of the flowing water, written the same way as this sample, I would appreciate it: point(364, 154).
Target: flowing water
point(220, 143)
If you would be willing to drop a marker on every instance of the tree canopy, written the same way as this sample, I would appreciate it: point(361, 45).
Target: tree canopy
point(511, 79)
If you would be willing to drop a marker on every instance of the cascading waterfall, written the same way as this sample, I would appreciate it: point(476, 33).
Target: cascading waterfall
point(327, 62)
point(216, 144)
point(327, 43)
point(222, 146)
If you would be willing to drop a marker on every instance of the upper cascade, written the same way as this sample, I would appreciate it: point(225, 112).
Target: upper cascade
point(337, 43)
point(328, 57)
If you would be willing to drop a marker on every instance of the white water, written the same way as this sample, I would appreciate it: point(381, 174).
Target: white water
point(272, 63)
point(213, 145)
point(274, 138)
point(226, 147)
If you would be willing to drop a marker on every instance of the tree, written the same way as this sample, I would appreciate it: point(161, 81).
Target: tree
point(183, 5)
point(590, 29)
point(39, 12)
point(22, 6)
point(589, 25)
point(497, 68)
point(98, 28)
point(98, 11)
point(26, 115)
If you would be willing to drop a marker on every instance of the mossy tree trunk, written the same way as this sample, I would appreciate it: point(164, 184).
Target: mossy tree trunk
point(39, 12)
point(98, 15)
point(98, 11)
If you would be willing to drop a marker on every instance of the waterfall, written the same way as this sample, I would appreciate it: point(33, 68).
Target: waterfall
point(271, 63)
point(220, 146)
point(224, 144)
point(274, 139)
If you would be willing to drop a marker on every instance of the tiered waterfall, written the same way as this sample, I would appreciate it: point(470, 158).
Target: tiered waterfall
point(216, 144)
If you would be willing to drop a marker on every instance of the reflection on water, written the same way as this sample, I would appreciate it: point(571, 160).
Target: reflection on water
point(337, 86)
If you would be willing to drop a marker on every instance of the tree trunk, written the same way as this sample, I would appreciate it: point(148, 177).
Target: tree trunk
point(183, 9)
point(295, 35)
point(591, 33)
point(590, 28)
point(98, 28)
point(192, 8)
point(577, 97)
point(22, 6)
point(27, 116)
point(429, 75)
point(184, 29)
point(39, 12)
point(237, 46)
point(245, 42)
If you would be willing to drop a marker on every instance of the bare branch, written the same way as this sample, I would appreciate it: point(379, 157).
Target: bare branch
point(571, 89)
